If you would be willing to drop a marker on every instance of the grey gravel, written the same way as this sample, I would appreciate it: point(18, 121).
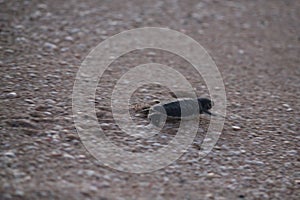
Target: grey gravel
point(255, 45)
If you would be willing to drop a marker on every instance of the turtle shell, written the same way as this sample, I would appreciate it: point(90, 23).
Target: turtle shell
point(182, 108)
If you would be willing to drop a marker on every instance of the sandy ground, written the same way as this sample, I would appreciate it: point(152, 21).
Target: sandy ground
point(255, 45)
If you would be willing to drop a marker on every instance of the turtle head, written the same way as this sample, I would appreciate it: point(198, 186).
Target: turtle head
point(206, 104)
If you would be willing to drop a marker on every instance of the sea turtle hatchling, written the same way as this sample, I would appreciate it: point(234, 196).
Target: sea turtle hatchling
point(185, 108)
point(182, 108)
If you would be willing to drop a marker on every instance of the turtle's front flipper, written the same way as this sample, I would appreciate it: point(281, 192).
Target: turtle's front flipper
point(208, 113)
point(212, 114)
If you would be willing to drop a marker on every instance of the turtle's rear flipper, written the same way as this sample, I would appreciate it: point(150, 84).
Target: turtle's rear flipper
point(144, 111)
point(157, 119)
point(182, 94)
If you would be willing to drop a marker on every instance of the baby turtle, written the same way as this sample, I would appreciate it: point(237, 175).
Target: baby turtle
point(185, 108)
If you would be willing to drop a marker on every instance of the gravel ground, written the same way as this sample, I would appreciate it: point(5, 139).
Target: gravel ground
point(255, 45)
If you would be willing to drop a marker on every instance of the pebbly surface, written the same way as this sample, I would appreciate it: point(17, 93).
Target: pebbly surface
point(256, 46)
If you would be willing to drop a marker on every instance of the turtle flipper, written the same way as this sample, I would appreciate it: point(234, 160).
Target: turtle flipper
point(157, 119)
point(208, 113)
point(182, 94)
point(212, 114)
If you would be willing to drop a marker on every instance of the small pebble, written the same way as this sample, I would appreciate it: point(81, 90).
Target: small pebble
point(255, 162)
point(285, 105)
point(90, 173)
point(55, 154)
point(209, 195)
point(29, 101)
point(156, 144)
point(292, 152)
point(66, 155)
point(19, 193)
point(81, 156)
point(10, 154)
point(36, 14)
point(48, 113)
point(21, 39)
point(50, 46)
point(42, 6)
point(9, 51)
point(236, 128)
point(64, 49)
point(69, 38)
point(63, 62)
point(213, 175)
point(11, 95)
